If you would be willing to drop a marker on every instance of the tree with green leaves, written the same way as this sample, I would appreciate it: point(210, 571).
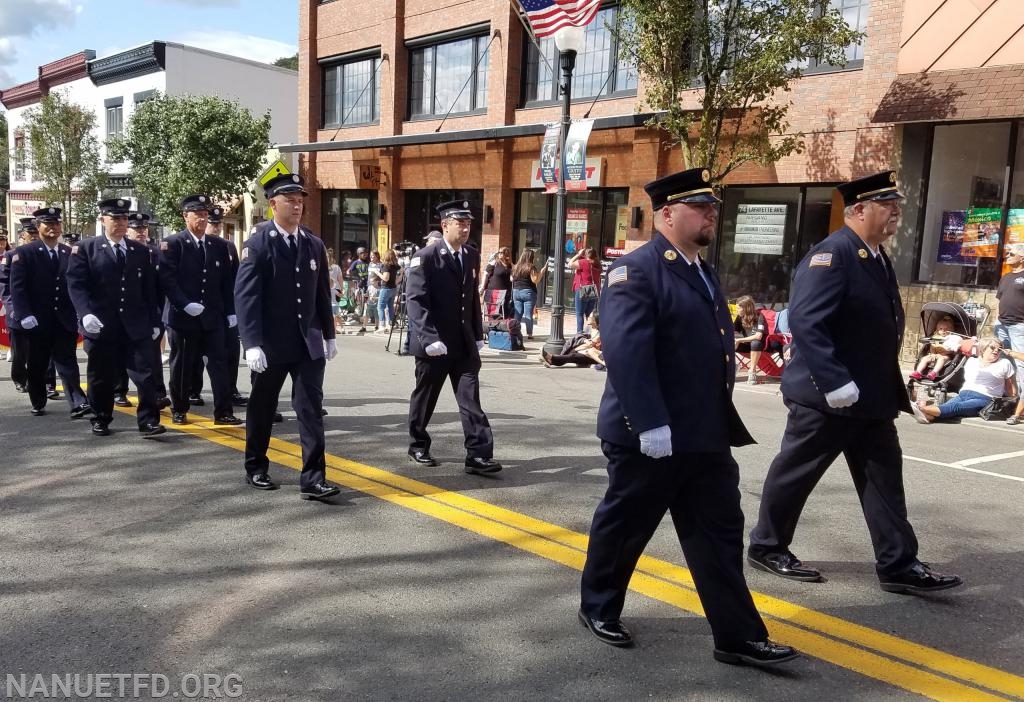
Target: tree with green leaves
point(192, 144)
point(65, 158)
point(5, 174)
point(291, 62)
point(739, 57)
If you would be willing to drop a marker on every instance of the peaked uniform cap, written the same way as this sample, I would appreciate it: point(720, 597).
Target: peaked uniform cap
point(692, 186)
point(283, 184)
point(47, 214)
point(880, 186)
point(115, 206)
point(456, 209)
point(196, 203)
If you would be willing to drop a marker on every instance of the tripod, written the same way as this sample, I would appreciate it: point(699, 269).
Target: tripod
point(400, 321)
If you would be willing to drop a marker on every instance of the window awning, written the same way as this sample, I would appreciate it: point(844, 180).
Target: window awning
point(995, 92)
point(507, 132)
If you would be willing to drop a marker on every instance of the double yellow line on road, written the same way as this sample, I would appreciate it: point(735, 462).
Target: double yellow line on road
point(875, 654)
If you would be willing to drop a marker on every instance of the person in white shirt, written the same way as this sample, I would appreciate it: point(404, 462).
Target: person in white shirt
point(988, 375)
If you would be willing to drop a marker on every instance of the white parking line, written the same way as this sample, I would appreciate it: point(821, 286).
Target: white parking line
point(986, 459)
point(960, 466)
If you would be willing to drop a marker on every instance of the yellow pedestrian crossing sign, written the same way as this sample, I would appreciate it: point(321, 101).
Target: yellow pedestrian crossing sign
point(276, 168)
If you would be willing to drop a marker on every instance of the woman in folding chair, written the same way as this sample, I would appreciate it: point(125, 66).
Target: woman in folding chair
point(751, 329)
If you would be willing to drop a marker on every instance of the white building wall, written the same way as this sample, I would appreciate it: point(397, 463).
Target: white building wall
point(256, 86)
point(125, 89)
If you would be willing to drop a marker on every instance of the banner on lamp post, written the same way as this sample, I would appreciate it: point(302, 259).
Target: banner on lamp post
point(549, 157)
point(574, 158)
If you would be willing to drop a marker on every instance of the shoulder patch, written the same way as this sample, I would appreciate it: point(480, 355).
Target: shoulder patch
point(74, 249)
point(15, 257)
point(245, 253)
point(414, 262)
point(163, 246)
point(618, 275)
point(820, 259)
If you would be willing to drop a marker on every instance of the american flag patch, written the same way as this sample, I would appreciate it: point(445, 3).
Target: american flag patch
point(821, 259)
point(15, 257)
point(74, 249)
point(617, 275)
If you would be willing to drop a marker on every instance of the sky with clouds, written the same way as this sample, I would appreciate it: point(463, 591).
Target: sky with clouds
point(35, 32)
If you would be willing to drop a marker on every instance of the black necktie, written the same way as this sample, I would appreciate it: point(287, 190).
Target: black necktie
point(202, 250)
point(120, 256)
point(885, 268)
point(458, 264)
point(53, 259)
point(291, 244)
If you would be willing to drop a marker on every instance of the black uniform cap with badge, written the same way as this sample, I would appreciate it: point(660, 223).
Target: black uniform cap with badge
point(284, 184)
point(216, 215)
point(28, 224)
point(690, 187)
point(880, 186)
point(456, 209)
point(138, 220)
point(115, 207)
point(49, 215)
point(196, 203)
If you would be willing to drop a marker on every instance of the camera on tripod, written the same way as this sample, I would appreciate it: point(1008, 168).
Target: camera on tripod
point(404, 251)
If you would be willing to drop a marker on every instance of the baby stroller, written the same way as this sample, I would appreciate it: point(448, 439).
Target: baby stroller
point(951, 378)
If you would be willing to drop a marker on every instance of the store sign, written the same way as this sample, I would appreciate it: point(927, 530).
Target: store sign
point(594, 169)
point(621, 226)
point(575, 229)
point(760, 229)
point(611, 252)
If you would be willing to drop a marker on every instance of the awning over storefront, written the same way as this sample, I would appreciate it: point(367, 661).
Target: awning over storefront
point(996, 92)
point(506, 132)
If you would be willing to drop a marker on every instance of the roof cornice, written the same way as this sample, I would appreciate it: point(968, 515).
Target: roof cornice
point(140, 61)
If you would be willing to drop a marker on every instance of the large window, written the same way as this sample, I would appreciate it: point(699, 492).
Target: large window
point(352, 92)
point(448, 77)
point(115, 117)
point(974, 204)
point(855, 12)
point(420, 212)
point(349, 220)
point(19, 156)
point(598, 71)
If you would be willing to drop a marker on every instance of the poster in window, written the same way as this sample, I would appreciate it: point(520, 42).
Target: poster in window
point(981, 232)
point(760, 228)
point(951, 237)
point(1014, 233)
point(576, 219)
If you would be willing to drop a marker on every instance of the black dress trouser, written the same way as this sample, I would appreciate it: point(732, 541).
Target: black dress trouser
point(187, 349)
point(54, 347)
point(464, 376)
point(232, 356)
point(701, 491)
point(106, 358)
point(811, 443)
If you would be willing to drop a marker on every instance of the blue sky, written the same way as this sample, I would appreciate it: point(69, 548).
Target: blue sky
point(34, 32)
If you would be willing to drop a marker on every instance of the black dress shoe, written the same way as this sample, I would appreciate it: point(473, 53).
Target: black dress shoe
point(756, 653)
point(238, 401)
point(611, 633)
point(196, 401)
point(261, 481)
point(278, 417)
point(122, 401)
point(229, 420)
point(422, 457)
point(319, 491)
point(100, 428)
point(18, 387)
point(148, 431)
point(81, 411)
point(179, 418)
point(52, 394)
point(323, 412)
point(785, 565)
point(919, 578)
point(163, 402)
point(38, 411)
point(482, 466)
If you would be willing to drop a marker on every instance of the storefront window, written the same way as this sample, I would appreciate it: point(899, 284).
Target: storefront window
point(966, 204)
point(349, 220)
point(597, 218)
point(420, 213)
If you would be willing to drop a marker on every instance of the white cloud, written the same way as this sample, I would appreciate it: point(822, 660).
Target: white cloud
point(23, 18)
point(238, 44)
point(8, 57)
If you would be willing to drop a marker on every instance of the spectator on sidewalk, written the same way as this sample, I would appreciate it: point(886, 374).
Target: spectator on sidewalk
point(986, 376)
point(586, 283)
point(525, 278)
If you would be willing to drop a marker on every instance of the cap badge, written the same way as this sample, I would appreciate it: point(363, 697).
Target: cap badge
point(53, 211)
point(202, 198)
point(465, 204)
point(862, 253)
point(892, 177)
point(122, 203)
point(706, 175)
point(295, 178)
point(671, 255)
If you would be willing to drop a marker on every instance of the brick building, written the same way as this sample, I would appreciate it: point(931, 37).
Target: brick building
point(407, 103)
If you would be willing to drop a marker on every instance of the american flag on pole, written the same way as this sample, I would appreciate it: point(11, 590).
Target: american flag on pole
point(548, 16)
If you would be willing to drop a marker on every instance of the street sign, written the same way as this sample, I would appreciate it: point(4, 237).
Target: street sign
point(276, 168)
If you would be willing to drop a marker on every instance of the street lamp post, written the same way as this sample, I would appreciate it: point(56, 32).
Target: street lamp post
point(569, 41)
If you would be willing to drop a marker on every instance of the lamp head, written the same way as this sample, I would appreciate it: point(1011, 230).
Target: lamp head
point(571, 38)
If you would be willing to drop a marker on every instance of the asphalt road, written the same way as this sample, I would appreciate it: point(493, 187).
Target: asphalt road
point(120, 555)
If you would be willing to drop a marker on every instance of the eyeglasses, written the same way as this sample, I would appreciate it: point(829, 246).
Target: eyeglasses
point(993, 348)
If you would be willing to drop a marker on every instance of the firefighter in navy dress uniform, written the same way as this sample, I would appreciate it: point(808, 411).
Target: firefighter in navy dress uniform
point(111, 281)
point(445, 336)
point(666, 424)
point(19, 341)
point(283, 300)
point(44, 311)
point(195, 273)
point(842, 400)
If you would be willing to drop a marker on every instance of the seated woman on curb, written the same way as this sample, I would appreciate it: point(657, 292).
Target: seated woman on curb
point(751, 329)
point(582, 350)
point(987, 376)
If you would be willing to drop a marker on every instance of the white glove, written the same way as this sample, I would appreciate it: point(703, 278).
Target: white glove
point(29, 322)
point(256, 359)
point(479, 344)
point(92, 324)
point(436, 349)
point(156, 333)
point(232, 321)
point(844, 396)
point(656, 443)
point(194, 309)
point(330, 348)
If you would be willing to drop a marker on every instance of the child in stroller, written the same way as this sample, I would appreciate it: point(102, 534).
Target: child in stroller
point(941, 347)
point(949, 377)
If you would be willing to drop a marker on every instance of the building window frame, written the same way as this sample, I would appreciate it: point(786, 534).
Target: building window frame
point(19, 164)
point(114, 111)
point(609, 88)
point(477, 90)
point(856, 63)
point(335, 70)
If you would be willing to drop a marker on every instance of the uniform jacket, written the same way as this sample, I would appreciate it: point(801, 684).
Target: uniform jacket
point(668, 344)
point(5, 289)
point(440, 305)
point(98, 288)
point(283, 306)
point(847, 323)
point(187, 277)
point(40, 291)
point(158, 288)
